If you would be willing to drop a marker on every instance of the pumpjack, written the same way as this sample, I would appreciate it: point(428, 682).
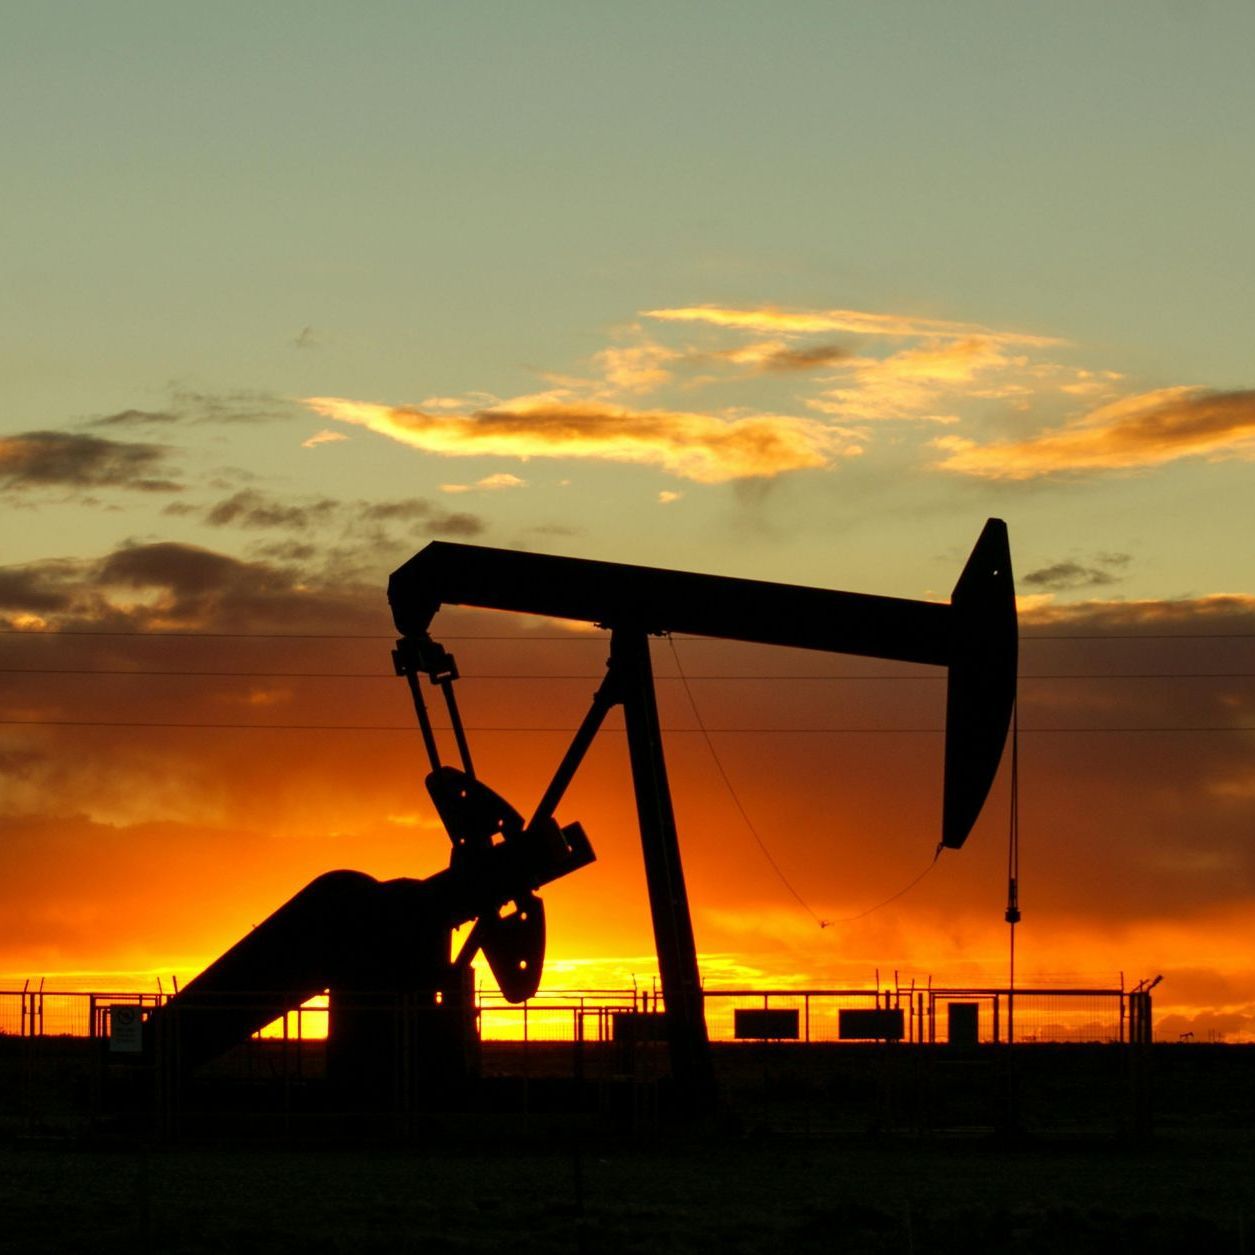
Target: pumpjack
point(376, 945)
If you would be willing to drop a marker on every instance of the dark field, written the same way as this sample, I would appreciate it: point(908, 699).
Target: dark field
point(709, 1194)
point(844, 1150)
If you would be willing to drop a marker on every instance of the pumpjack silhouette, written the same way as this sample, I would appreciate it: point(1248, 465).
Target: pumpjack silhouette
point(379, 946)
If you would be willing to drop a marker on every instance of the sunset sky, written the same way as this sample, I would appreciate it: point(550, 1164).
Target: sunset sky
point(799, 292)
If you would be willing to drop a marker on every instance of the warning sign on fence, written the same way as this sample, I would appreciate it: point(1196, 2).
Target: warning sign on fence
point(126, 1029)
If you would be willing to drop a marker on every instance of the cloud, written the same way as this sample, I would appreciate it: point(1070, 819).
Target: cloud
point(914, 383)
point(700, 447)
point(490, 483)
point(147, 587)
point(666, 497)
point(42, 459)
point(1062, 576)
point(502, 479)
point(256, 510)
point(186, 584)
point(436, 521)
point(770, 357)
point(241, 406)
point(786, 359)
point(1149, 429)
point(771, 319)
point(188, 405)
point(249, 508)
point(36, 587)
point(323, 437)
point(135, 418)
point(637, 367)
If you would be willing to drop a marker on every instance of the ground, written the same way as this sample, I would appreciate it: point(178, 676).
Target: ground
point(847, 1150)
point(726, 1194)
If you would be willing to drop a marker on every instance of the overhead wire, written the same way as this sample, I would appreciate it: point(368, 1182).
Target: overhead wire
point(593, 675)
point(570, 637)
point(736, 799)
point(1012, 913)
point(762, 845)
point(568, 728)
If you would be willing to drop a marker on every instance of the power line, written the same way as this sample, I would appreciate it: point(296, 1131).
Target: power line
point(893, 897)
point(762, 845)
point(736, 799)
point(571, 638)
point(264, 636)
point(565, 729)
point(596, 675)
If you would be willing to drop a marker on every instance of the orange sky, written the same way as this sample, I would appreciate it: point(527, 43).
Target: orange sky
point(131, 850)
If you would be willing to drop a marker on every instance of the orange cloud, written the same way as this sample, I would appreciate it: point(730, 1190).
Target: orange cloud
point(636, 367)
point(323, 437)
point(490, 483)
point(910, 384)
point(704, 448)
point(773, 320)
point(1149, 429)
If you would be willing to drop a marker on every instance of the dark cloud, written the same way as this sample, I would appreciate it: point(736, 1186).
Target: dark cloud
point(135, 418)
point(170, 586)
point(38, 588)
point(456, 523)
point(185, 585)
point(787, 360)
point(417, 510)
point(1104, 569)
point(406, 511)
point(244, 406)
point(187, 405)
point(293, 551)
point(42, 459)
point(249, 508)
point(395, 527)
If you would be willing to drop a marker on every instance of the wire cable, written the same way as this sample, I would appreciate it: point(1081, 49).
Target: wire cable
point(749, 823)
point(566, 729)
point(893, 897)
point(593, 675)
point(570, 637)
point(1012, 914)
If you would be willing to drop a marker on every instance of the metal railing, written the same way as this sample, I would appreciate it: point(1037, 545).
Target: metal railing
point(928, 1015)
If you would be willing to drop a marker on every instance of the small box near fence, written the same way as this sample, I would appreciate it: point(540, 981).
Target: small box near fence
point(638, 1026)
point(879, 1025)
point(750, 1024)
